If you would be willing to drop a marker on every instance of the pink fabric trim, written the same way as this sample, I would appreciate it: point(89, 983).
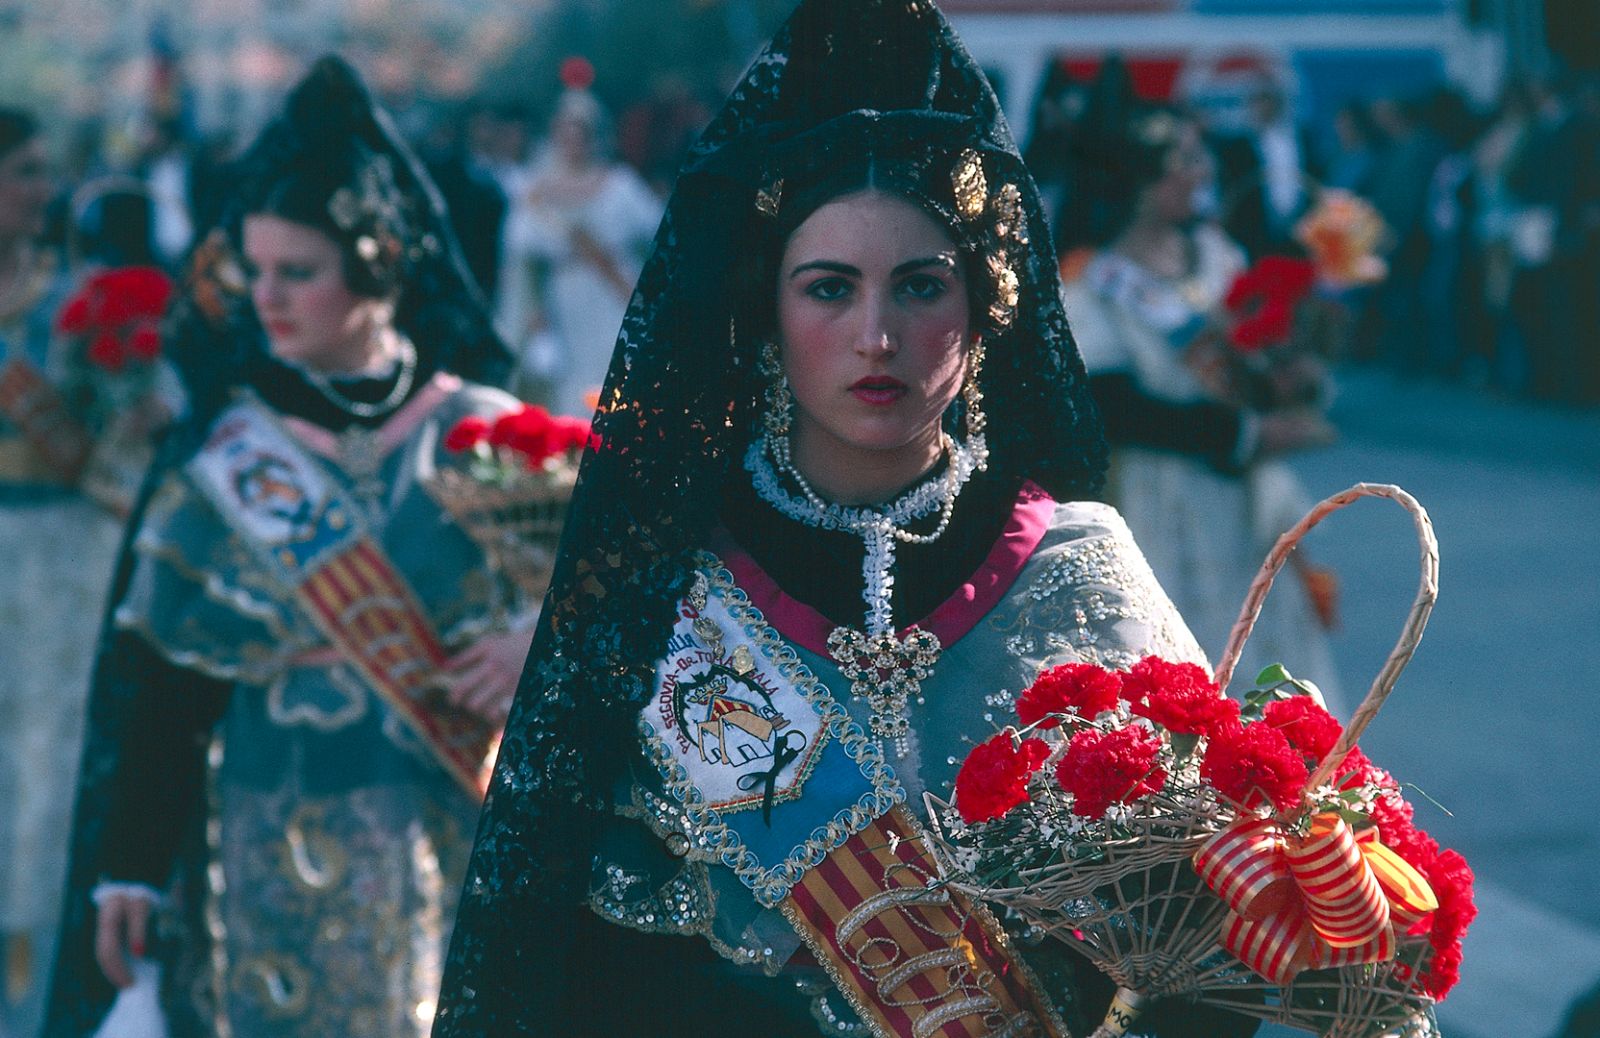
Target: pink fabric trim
point(958, 614)
point(390, 434)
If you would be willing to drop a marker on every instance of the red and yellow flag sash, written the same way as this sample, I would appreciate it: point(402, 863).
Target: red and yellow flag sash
point(914, 958)
point(1327, 898)
point(366, 609)
point(302, 530)
point(42, 416)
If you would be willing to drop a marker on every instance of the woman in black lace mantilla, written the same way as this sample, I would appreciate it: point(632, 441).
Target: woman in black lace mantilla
point(845, 434)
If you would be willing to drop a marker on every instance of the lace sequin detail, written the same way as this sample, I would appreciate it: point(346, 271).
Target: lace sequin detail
point(1080, 593)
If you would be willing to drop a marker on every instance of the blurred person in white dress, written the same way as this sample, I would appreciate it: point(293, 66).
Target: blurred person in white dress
point(575, 241)
point(1197, 471)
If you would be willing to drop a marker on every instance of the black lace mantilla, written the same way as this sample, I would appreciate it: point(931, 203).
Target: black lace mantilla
point(379, 194)
point(677, 412)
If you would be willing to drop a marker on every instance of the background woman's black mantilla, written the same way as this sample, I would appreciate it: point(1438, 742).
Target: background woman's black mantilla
point(677, 412)
point(330, 122)
point(333, 160)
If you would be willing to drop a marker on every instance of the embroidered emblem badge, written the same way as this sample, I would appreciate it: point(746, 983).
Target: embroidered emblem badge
point(739, 722)
point(741, 729)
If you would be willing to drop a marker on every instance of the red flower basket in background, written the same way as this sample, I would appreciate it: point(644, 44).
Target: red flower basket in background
point(511, 495)
point(114, 320)
point(117, 313)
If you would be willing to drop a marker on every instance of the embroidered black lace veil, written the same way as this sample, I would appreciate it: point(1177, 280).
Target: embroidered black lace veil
point(332, 126)
point(842, 77)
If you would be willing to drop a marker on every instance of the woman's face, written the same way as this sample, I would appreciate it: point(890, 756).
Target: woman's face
point(874, 325)
point(298, 287)
point(1189, 168)
point(25, 190)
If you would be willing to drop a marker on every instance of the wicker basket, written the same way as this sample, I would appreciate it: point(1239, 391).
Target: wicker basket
point(517, 524)
point(1367, 1001)
point(1139, 911)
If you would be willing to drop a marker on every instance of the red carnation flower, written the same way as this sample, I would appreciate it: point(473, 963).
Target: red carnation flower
point(1179, 697)
point(1263, 301)
point(75, 315)
point(127, 294)
point(1254, 764)
point(106, 351)
point(1082, 687)
point(569, 434)
point(526, 431)
point(467, 433)
point(1357, 769)
point(994, 777)
point(1104, 768)
point(1309, 728)
point(145, 342)
point(1452, 881)
point(1393, 817)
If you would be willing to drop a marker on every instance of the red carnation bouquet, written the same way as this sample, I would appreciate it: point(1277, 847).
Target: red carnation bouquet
point(113, 322)
point(1272, 342)
point(528, 439)
point(1285, 318)
point(512, 493)
point(1241, 852)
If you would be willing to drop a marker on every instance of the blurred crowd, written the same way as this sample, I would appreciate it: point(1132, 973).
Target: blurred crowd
point(554, 210)
point(1492, 217)
point(1492, 214)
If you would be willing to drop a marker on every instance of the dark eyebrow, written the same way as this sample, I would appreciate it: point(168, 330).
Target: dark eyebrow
point(943, 260)
point(828, 265)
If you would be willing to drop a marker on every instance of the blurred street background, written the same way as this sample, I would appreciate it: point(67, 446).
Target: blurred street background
point(1470, 376)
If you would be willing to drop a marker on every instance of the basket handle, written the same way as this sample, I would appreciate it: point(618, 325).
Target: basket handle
point(1410, 633)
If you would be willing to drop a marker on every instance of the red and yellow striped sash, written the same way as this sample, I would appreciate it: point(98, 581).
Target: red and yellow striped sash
point(39, 412)
point(914, 958)
point(366, 609)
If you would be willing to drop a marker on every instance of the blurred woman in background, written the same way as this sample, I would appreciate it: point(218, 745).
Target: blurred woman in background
point(306, 663)
point(1195, 466)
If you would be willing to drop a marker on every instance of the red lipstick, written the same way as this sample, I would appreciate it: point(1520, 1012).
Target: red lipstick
point(879, 390)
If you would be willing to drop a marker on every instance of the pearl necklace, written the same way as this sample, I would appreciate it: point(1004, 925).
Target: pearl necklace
point(884, 670)
point(360, 409)
point(879, 529)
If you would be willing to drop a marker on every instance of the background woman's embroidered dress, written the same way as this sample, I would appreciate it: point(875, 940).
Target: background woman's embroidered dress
point(262, 731)
point(320, 838)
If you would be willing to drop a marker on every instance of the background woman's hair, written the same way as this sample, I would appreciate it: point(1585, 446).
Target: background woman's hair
point(336, 184)
point(113, 222)
point(334, 162)
point(17, 127)
point(1121, 148)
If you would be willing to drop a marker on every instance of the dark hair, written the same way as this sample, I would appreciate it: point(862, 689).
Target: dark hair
point(114, 223)
point(17, 127)
point(1116, 157)
point(351, 197)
